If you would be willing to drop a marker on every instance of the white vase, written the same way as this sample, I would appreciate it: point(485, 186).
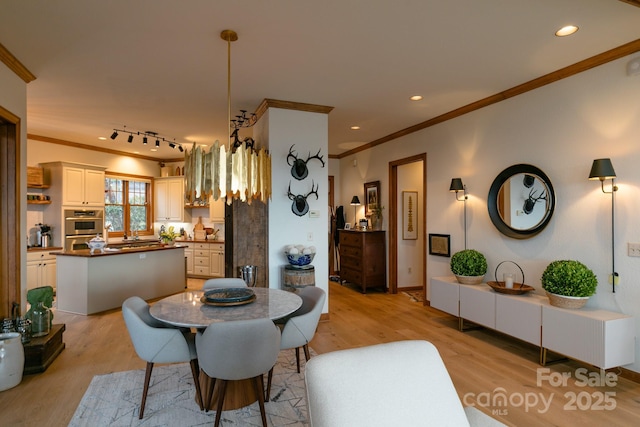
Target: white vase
point(11, 360)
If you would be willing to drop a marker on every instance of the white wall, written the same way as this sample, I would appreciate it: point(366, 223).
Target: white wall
point(559, 128)
point(309, 132)
point(13, 98)
point(410, 254)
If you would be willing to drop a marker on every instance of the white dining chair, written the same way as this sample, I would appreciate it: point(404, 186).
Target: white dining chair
point(300, 327)
point(224, 282)
point(238, 350)
point(155, 342)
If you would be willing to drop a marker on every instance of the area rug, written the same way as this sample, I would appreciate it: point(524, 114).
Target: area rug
point(114, 399)
point(415, 296)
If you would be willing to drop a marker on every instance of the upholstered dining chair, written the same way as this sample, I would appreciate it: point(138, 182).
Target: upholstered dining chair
point(238, 350)
point(345, 387)
point(300, 326)
point(155, 342)
point(224, 282)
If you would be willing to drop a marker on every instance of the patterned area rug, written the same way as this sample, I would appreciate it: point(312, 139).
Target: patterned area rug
point(114, 399)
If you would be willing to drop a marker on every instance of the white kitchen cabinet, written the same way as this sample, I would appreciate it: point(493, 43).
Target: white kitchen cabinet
point(216, 210)
point(41, 270)
point(169, 200)
point(602, 338)
point(201, 259)
point(216, 264)
point(75, 184)
point(188, 253)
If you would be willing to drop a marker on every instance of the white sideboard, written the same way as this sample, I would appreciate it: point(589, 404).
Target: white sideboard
point(602, 338)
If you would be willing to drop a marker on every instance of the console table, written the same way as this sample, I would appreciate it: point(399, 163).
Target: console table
point(362, 258)
point(601, 338)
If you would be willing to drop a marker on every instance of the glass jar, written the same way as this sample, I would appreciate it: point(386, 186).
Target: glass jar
point(40, 318)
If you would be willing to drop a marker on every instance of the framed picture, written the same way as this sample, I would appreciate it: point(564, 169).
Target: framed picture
point(409, 215)
point(439, 245)
point(371, 196)
point(347, 226)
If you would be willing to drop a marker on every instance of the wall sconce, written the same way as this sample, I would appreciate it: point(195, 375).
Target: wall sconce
point(603, 169)
point(457, 187)
point(355, 202)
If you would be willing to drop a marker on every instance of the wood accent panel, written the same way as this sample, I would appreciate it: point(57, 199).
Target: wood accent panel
point(15, 65)
point(571, 70)
point(100, 149)
point(632, 2)
point(290, 105)
point(10, 207)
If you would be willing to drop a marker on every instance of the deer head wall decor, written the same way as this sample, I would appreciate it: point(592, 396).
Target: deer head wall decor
point(531, 201)
point(300, 206)
point(299, 167)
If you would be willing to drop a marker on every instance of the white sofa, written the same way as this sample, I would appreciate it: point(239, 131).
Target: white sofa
point(403, 383)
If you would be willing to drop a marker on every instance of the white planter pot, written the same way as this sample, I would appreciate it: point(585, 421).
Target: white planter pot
point(11, 360)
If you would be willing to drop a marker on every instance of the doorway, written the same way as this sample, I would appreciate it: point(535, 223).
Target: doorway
point(9, 213)
point(396, 211)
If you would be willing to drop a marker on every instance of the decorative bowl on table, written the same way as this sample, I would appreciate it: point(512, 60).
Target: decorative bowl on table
point(97, 243)
point(300, 255)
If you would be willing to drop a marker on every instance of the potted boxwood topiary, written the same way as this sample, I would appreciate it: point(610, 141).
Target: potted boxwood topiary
point(568, 283)
point(469, 266)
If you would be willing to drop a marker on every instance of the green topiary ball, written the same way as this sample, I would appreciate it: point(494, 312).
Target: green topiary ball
point(468, 262)
point(569, 278)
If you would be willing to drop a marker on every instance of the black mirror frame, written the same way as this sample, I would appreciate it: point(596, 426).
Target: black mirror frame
point(492, 201)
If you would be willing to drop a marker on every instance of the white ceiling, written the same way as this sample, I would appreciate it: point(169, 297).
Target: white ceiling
point(160, 65)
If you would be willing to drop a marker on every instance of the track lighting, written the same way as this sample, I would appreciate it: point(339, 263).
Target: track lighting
point(145, 137)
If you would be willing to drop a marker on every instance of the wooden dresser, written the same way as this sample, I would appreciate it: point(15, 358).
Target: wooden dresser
point(363, 258)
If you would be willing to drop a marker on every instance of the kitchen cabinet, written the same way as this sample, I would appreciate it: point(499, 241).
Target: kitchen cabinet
point(75, 184)
point(216, 263)
point(204, 259)
point(41, 269)
point(169, 200)
point(216, 210)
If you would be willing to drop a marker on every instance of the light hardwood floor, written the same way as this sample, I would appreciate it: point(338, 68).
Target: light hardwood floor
point(481, 363)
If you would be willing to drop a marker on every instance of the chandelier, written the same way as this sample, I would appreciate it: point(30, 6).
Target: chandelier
point(233, 171)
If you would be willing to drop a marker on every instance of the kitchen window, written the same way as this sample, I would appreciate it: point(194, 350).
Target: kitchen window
point(127, 205)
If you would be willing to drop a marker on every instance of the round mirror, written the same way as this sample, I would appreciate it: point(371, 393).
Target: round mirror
point(521, 201)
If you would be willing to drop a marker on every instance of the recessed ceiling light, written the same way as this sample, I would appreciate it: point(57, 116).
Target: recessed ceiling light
point(154, 149)
point(102, 138)
point(355, 127)
point(567, 30)
point(416, 98)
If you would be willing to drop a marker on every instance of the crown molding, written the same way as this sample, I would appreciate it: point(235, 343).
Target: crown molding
point(15, 65)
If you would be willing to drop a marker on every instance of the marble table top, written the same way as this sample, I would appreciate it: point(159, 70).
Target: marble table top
point(186, 310)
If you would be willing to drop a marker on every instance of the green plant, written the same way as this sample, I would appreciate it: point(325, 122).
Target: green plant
point(569, 278)
point(468, 262)
point(169, 235)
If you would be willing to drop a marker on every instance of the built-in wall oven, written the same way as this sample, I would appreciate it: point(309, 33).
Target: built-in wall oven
point(80, 226)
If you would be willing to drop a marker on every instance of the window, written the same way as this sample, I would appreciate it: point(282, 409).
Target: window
point(127, 205)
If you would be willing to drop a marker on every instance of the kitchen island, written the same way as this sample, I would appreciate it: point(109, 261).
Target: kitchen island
point(90, 283)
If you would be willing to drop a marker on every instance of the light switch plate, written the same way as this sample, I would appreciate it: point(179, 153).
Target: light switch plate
point(314, 214)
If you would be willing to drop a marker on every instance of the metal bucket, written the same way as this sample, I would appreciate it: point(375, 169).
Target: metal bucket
point(249, 273)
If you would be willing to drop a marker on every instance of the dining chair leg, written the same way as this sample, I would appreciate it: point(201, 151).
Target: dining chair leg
point(269, 377)
point(258, 385)
point(307, 355)
point(211, 385)
point(195, 371)
point(221, 393)
point(145, 389)
point(298, 358)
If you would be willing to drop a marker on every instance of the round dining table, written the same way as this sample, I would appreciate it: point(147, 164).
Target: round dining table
point(186, 310)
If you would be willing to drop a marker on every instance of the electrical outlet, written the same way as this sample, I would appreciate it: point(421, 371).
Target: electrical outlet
point(633, 249)
point(310, 236)
point(409, 270)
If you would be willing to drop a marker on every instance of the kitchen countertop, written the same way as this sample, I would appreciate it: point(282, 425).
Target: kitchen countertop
point(116, 251)
point(41, 249)
point(199, 241)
